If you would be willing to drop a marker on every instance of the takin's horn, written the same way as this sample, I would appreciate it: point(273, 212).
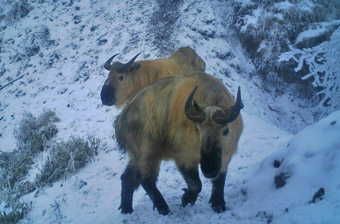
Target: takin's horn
point(193, 110)
point(124, 67)
point(107, 64)
point(223, 118)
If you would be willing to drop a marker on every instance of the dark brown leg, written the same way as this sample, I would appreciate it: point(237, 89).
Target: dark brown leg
point(217, 195)
point(194, 183)
point(149, 184)
point(130, 181)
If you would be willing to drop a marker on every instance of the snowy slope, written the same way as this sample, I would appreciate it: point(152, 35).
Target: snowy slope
point(311, 158)
point(59, 48)
point(308, 163)
point(93, 194)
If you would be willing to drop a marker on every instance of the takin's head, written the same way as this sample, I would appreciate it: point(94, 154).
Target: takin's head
point(213, 124)
point(116, 83)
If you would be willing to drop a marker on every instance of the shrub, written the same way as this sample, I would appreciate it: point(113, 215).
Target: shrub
point(33, 133)
point(323, 68)
point(19, 210)
point(33, 136)
point(66, 158)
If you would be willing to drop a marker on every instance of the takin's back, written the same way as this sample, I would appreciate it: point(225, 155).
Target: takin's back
point(188, 60)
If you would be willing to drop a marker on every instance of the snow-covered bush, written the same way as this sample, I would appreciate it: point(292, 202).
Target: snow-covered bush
point(66, 158)
point(294, 47)
point(269, 28)
point(323, 62)
point(32, 135)
point(19, 211)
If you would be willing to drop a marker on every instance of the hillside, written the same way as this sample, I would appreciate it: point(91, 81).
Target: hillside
point(52, 56)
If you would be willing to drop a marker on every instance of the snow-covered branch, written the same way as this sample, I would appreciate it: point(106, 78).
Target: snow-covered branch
point(323, 64)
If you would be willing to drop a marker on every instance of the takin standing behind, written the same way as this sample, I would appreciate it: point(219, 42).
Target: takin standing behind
point(126, 80)
point(192, 120)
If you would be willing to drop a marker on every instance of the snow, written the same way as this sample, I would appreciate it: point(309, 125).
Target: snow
point(98, 200)
point(311, 33)
point(317, 30)
point(286, 5)
point(252, 19)
point(66, 77)
point(312, 159)
point(312, 156)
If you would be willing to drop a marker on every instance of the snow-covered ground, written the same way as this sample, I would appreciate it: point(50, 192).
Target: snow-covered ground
point(309, 161)
point(60, 48)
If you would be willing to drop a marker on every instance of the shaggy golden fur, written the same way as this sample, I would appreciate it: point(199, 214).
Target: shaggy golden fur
point(164, 132)
point(154, 127)
point(126, 85)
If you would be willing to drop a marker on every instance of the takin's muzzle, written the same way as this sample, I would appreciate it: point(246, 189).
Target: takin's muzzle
point(107, 94)
point(211, 159)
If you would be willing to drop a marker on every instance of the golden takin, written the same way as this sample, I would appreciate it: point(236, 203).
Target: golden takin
point(126, 80)
point(192, 120)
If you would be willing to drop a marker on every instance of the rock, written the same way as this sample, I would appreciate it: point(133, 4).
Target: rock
point(318, 196)
point(281, 179)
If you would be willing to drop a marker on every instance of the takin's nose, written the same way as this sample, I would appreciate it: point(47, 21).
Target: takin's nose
point(210, 165)
point(107, 94)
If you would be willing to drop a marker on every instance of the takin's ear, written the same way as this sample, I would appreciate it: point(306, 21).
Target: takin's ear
point(134, 67)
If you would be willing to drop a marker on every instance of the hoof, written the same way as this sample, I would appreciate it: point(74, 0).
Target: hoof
point(125, 210)
point(164, 211)
point(188, 197)
point(219, 208)
point(217, 204)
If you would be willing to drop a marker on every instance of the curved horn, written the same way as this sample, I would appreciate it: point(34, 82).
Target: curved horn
point(223, 118)
point(107, 64)
point(193, 110)
point(127, 65)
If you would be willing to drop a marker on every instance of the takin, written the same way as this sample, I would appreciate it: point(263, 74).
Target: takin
point(192, 120)
point(126, 80)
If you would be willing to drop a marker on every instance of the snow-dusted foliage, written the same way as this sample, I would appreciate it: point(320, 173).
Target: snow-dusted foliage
point(34, 135)
point(269, 28)
point(65, 158)
point(323, 62)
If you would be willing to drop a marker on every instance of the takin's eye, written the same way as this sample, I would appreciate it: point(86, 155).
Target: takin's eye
point(121, 77)
point(225, 132)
